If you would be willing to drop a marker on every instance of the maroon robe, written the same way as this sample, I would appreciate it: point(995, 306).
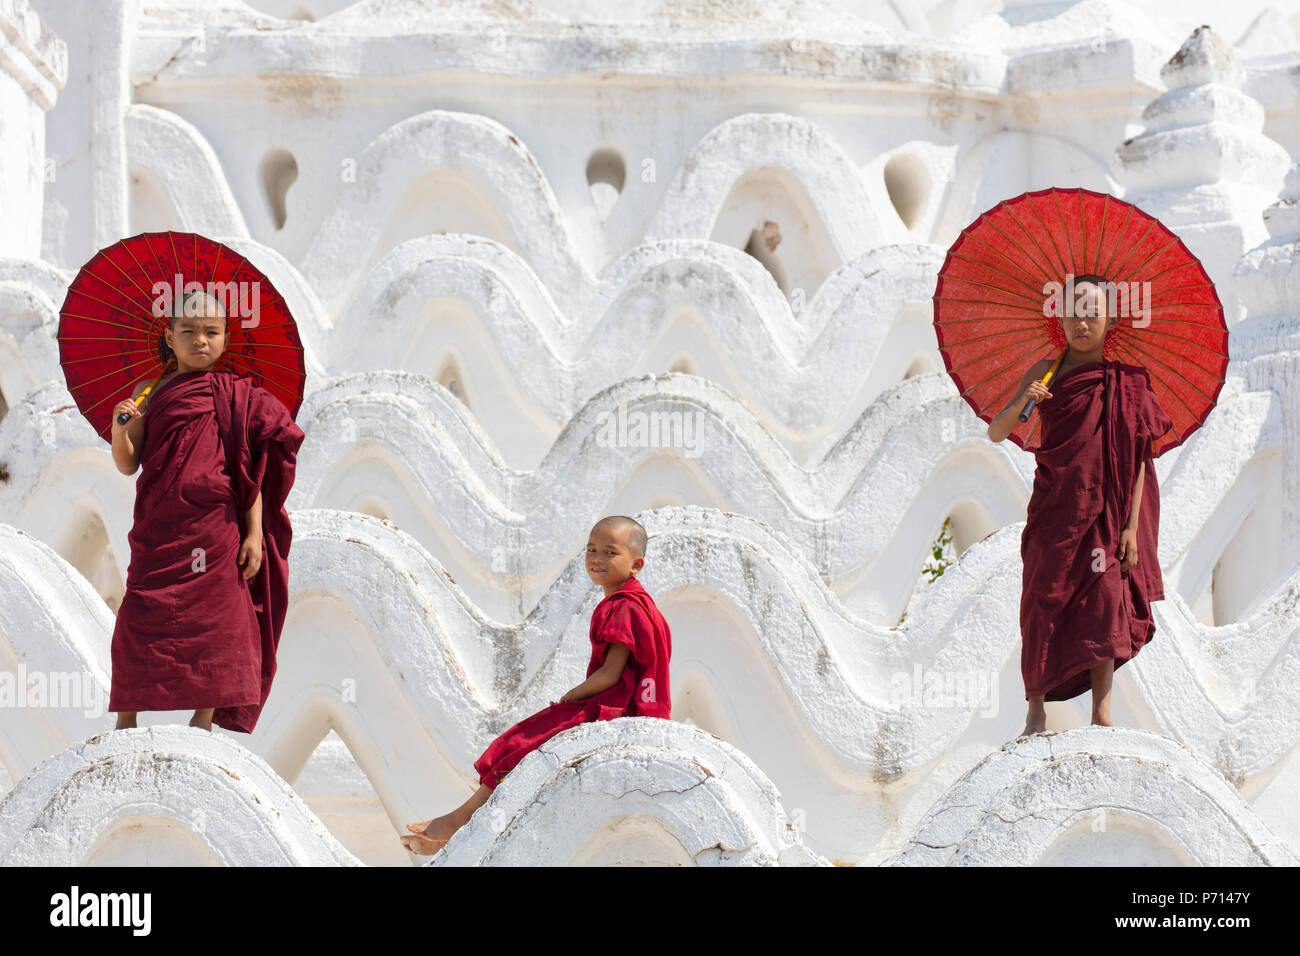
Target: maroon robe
point(629, 617)
point(1077, 608)
point(191, 632)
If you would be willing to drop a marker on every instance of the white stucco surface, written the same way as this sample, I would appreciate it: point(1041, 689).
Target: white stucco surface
point(554, 259)
point(1038, 801)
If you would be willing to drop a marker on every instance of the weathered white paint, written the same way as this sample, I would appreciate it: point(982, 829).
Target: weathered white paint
point(1042, 800)
point(474, 311)
point(572, 798)
point(33, 68)
point(188, 796)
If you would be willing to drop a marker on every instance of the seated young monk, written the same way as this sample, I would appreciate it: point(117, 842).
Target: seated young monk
point(627, 675)
point(207, 585)
point(1089, 545)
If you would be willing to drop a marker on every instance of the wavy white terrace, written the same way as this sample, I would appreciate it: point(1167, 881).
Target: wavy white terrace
point(860, 725)
point(635, 791)
point(401, 448)
point(1095, 796)
point(167, 796)
point(510, 234)
point(966, 79)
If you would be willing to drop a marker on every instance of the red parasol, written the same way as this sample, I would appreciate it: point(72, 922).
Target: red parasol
point(993, 319)
point(120, 303)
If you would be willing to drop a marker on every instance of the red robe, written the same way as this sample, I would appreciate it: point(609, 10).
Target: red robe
point(191, 632)
point(628, 616)
point(1077, 608)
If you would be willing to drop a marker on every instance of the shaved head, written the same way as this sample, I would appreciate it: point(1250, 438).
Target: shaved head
point(630, 529)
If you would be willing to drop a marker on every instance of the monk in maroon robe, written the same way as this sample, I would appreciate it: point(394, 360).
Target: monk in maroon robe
point(1089, 546)
point(627, 675)
point(205, 599)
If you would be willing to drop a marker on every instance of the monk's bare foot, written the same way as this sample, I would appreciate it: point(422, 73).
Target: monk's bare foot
point(1036, 717)
point(1103, 676)
point(432, 835)
point(429, 838)
point(126, 721)
point(422, 845)
point(1035, 723)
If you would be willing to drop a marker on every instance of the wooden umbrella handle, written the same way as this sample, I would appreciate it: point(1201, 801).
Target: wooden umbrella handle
point(1029, 405)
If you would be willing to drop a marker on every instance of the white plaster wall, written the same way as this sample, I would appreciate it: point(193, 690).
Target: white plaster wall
point(33, 68)
point(1031, 802)
point(474, 315)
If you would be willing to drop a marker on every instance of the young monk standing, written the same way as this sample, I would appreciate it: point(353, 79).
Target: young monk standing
point(627, 675)
point(207, 585)
point(1089, 545)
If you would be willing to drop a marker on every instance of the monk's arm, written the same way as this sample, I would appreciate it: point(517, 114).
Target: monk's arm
point(125, 455)
point(1136, 507)
point(606, 676)
point(253, 519)
point(1005, 422)
point(127, 440)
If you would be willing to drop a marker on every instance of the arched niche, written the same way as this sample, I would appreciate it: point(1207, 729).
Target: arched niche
point(338, 791)
point(664, 477)
point(606, 176)
point(1238, 579)
point(920, 364)
point(1011, 162)
point(695, 701)
point(372, 506)
point(441, 201)
point(907, 181)
point(83, 542)
point(452, 379)
point(1108, 837)
point(769, 214)
point(969, 523)
point(279, 171)
point(149, 839)
point(150, 208)
point(682, 364)
point(632, 840)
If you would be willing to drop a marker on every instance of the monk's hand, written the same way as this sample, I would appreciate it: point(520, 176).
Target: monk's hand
point(1035, 390)
point(1128, 548)
point(125, 407)
point(250, 555)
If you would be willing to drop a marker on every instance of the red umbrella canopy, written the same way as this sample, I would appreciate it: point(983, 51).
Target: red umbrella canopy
point(121, 302)
point(998, 302)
